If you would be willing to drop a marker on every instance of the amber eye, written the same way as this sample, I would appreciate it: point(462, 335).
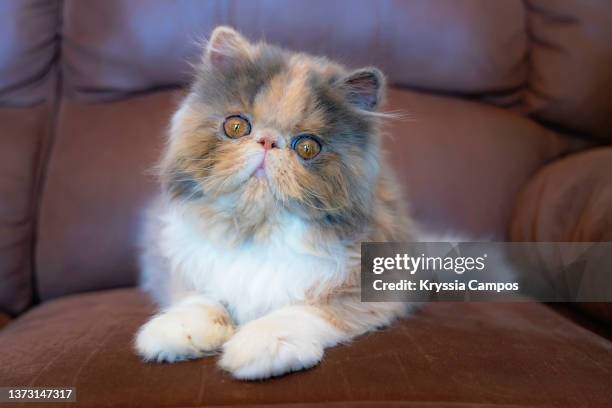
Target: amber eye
point(306, 146)
point(236, 126)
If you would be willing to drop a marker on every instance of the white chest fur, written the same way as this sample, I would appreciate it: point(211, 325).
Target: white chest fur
point(255, 278)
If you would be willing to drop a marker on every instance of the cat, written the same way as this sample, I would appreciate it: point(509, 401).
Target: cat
point(273, 175)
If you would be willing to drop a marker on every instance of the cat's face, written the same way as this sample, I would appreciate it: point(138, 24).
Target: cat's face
point(265, 132)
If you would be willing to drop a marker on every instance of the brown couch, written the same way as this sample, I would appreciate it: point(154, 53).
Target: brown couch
point(511, 112)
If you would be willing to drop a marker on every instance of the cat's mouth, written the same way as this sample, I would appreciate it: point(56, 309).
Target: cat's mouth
point(260, 171)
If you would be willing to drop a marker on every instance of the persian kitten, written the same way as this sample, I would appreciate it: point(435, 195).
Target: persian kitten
point(272, 176)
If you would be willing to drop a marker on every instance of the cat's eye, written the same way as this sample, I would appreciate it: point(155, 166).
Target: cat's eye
point(236, 126)
point(306, 146)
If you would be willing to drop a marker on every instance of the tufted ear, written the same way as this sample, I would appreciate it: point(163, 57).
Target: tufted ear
point(226, 48)
point(364, 88)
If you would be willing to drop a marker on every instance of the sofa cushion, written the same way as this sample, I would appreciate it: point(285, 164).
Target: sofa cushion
point(28, 29)
point(99, 180)
point(462, 164)
point(22, 134)
point(508, 354)
point(114, 47)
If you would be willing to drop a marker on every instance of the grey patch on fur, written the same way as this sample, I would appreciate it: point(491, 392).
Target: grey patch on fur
point(182, 185)
point(242, 81)
point(154, 267)
point(346, 133)
point(363, 88)
point(344, 126)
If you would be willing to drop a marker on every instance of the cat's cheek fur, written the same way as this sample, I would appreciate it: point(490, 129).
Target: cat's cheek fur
point(190, 329)
point(289, 339)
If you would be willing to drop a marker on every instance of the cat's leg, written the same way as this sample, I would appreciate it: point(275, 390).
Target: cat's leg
point(294, 337)
point(191, 328)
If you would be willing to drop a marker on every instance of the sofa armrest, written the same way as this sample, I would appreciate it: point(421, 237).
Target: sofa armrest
point(569, 200)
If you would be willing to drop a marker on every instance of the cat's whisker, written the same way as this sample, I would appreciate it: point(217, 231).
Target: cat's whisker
point(201, 159)
point(323, 208)
point(397, 115)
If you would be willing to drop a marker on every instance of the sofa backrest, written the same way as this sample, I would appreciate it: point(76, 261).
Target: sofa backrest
point(569, 64)
point(551, 58)
point(117, 47)
point(545, 58)
point(28, 48)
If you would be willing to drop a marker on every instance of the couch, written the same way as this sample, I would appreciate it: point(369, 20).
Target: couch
point(507, 135)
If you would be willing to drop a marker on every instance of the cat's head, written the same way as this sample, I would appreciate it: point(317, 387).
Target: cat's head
point(265, 133)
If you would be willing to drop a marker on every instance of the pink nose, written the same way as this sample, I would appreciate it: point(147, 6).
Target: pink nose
point(267, 143)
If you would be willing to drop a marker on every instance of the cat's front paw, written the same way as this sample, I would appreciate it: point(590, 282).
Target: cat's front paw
point(263, 349)
point(183, 334)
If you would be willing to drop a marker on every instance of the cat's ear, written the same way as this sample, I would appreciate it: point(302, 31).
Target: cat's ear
point(364, 88)
point(226, 48)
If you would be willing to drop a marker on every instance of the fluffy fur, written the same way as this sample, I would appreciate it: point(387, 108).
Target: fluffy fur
point(266, 269)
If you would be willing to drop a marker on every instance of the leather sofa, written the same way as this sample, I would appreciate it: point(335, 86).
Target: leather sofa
point(508, 135)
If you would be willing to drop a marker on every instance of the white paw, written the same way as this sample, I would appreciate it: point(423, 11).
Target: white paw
point(183, 334)
point(264, 348)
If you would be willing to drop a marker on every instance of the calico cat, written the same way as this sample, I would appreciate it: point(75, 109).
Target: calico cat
point(272, 176)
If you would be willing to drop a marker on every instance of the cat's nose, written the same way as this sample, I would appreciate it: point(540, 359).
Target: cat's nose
point(268, 142)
